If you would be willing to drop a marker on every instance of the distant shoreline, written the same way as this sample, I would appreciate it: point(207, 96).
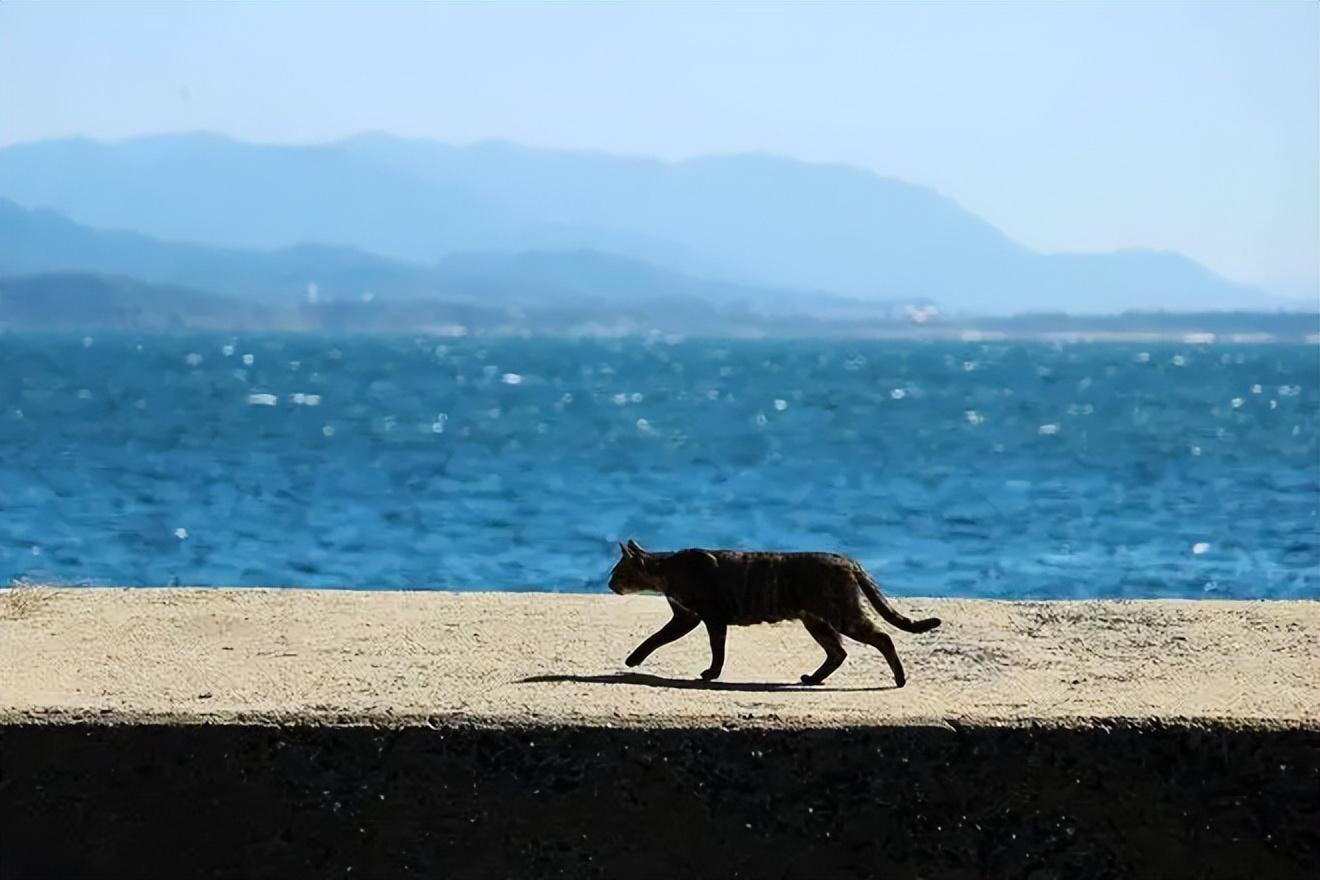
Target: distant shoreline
point(1098, 337)
point(88, 303)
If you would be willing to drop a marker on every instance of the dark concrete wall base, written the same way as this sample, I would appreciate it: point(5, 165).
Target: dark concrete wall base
point(91, 801)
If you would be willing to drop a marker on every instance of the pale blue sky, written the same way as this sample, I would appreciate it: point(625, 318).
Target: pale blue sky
point(1193, 127)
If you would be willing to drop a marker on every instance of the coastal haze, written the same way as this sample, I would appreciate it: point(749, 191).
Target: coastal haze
point(379, 221)
point(1007, 301)
point(797, 173)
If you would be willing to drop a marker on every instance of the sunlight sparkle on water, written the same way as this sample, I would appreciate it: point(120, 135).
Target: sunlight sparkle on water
point(375, 486)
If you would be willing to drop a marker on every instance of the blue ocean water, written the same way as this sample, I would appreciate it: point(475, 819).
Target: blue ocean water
point(964, 468)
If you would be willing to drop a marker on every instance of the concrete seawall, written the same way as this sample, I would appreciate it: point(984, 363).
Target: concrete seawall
point(297, 733)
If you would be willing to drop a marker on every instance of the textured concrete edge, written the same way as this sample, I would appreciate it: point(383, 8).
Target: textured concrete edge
point(903, 801)
point(385, 721)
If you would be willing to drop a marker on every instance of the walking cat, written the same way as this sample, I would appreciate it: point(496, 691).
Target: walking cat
point(723, 588)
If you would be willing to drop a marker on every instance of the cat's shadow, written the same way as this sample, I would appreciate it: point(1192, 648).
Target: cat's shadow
point(644, 679)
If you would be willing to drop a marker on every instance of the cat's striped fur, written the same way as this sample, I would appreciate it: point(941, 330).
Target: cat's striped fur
point(723, 588)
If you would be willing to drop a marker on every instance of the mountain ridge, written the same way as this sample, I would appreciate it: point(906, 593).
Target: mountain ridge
point(40, 241)
point(751, 219)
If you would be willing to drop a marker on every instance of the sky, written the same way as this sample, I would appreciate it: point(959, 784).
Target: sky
point(1070, 126)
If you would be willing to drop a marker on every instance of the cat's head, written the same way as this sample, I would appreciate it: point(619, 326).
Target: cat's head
point(635, 572)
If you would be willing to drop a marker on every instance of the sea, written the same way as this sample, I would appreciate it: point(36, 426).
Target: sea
point(964, 468)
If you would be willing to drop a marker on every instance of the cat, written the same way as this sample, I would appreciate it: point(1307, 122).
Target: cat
point(723, 588)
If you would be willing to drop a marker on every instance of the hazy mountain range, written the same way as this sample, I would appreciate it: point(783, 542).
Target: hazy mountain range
point(37, 242)
point(496, 225)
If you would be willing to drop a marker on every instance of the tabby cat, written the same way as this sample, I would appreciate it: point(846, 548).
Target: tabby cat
point(723, 588)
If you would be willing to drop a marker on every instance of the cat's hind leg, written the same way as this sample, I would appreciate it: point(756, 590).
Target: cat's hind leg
point(824, 634)
point(868, 633)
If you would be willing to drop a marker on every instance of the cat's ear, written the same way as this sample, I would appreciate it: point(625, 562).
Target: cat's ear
point(632, 552)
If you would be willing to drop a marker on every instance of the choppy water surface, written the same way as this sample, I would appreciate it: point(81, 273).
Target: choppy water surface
point(1006, 470)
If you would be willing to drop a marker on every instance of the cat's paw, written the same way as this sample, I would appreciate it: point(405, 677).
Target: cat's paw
point(709, 674)
point(900, 680)
point(633, 660)
point(810, 679)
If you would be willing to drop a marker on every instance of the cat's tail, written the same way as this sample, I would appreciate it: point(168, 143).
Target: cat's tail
point(889, 612)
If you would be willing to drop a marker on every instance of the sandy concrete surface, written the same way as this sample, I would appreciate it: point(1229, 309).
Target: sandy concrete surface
point(393, 658)
point(288, 734)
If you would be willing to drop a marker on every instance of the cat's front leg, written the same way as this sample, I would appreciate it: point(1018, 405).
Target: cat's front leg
point(682, 623)
point(717, 632)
